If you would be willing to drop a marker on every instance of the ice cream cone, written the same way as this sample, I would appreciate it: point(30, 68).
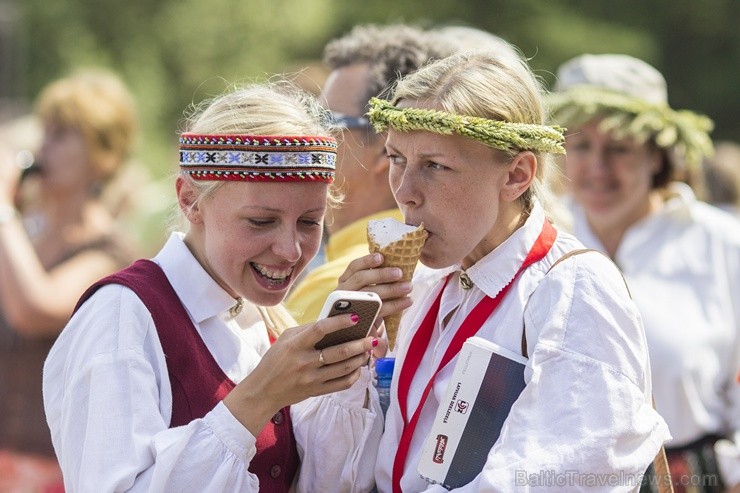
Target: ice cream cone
point(402, 252)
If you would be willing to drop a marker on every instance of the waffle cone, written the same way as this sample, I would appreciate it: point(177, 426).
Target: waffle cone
point(404, 254)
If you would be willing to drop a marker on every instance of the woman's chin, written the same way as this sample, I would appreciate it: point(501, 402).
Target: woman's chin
point(266, 298)
point(599, 203)
point(435, 261)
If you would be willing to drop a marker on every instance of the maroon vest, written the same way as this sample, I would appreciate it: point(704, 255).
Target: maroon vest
point(197, 382)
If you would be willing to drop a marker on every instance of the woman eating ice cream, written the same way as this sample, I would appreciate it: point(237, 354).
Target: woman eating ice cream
point(468, 153)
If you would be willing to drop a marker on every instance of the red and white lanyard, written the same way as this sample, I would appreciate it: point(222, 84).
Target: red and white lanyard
point(470, 326)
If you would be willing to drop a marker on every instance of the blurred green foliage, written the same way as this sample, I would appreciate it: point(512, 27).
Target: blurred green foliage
point(171, 53)
point(176, 52)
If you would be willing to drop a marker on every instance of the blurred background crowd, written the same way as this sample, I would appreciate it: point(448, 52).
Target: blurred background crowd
point(171, 53)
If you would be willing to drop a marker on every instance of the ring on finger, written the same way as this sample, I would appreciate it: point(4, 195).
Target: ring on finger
point(321, 358)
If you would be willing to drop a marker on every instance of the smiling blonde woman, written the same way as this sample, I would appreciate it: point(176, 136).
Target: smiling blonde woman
point(182, 373)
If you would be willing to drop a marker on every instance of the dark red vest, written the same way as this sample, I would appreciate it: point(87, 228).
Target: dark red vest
point(198, 383)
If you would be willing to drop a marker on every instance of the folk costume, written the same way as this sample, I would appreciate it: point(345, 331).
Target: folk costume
point(689, 303)
point(587, 404)
point(133, 386)
point(682, 264)
point(586, 410)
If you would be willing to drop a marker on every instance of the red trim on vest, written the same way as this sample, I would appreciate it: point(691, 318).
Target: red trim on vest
point(198, 383)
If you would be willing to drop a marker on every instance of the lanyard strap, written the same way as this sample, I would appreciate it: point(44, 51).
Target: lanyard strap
point(470, 326)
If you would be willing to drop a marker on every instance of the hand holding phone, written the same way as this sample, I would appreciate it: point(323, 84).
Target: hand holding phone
point(365, 304)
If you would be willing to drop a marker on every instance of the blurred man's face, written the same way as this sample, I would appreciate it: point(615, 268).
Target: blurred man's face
point(345, 92)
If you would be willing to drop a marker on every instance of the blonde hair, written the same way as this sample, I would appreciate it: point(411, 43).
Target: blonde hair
point(99, 106)
point(276, 108)
point(488, 85)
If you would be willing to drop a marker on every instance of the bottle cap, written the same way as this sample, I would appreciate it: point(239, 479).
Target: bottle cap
point(384, 366)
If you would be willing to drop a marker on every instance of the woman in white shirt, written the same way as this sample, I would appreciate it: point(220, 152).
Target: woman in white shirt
point(171, 376)
point(467, 149)
point(681, 258)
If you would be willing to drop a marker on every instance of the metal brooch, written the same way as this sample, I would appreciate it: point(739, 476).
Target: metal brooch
point(237, 308)
point(465, 281)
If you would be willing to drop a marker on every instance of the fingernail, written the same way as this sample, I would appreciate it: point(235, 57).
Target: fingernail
point(397, 272)
point(355, 318)
point(377, 258)
point(407, 287)
point(375, 342)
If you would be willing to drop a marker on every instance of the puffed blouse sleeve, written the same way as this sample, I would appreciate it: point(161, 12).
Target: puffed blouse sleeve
point(108, 405)
point(585, 418)
point(338, 437)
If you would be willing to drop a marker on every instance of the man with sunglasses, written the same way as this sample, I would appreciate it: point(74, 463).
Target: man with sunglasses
point(364, 63)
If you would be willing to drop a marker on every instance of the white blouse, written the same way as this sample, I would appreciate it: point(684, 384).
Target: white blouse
point(682, 265)
point(586, 409)
point(108, 400)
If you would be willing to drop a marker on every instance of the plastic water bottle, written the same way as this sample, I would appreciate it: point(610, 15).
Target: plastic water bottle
point(384, 369)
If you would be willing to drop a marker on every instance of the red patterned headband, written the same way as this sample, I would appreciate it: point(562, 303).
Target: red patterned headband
point(258, 157)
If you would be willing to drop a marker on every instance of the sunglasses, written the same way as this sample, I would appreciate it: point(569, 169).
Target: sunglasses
point(345, 121)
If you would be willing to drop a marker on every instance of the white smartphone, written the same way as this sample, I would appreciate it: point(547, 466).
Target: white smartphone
point(365, 304)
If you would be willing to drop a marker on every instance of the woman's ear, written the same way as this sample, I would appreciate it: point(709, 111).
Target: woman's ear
point(521, 172)
point(187, 200)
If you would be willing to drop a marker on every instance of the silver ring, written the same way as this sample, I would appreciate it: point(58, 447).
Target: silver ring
point(321, 357)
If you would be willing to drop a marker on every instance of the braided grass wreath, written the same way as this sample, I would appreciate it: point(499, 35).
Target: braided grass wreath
point(628, 116)
point(501, 135)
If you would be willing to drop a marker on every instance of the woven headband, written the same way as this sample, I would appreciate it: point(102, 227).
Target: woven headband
point(501, 135)
point(258, 157)
point(685, 132)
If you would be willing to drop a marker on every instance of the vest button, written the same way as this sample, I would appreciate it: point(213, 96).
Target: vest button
point(275, 471)
point(278, 418)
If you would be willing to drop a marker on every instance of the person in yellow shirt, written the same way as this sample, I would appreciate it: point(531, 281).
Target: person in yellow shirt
point(363, 63)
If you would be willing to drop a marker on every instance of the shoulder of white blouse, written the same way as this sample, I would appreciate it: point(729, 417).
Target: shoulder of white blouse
point(114, 319)
point(720, 223)
point(583, 307)
point(580, 283)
